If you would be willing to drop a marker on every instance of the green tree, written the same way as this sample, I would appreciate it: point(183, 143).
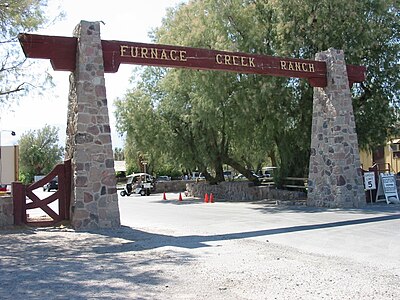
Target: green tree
point(16, 17)
point(368, 32)
point(39, 152)
point(210, 118)
point(143, 129)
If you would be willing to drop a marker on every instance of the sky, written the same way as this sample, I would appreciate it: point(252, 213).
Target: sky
point(124, 20)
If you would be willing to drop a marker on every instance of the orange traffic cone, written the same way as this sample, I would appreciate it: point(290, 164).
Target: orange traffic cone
point(180, 197)
point(206, 198)
point(164, 197)
point(211, 198)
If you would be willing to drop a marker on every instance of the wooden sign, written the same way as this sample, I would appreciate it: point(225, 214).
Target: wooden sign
point(62, 53)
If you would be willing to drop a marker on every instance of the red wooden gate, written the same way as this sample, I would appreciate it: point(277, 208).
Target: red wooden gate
point(21, 193)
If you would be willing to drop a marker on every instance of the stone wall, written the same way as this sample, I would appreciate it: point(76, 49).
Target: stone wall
point(6, 211)
point(241, 191)
point(94, 202)
point(171, 186)
point(335, 178)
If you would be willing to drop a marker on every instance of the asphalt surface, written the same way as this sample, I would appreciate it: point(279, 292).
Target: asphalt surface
point(371, 234)
point(171, 249)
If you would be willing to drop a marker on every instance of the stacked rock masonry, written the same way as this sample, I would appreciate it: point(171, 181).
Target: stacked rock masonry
point(335, 178)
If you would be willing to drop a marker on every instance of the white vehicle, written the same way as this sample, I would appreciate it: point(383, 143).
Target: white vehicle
point(139, 183)
point(268, 171)
point(163, 178)
point(198, 176)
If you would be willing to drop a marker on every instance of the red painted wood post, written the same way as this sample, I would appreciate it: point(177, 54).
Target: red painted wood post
point(61, 192)
point(18, 193)
point(68, 188)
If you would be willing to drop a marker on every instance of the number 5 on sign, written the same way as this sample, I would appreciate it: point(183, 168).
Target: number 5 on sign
point(369, 181)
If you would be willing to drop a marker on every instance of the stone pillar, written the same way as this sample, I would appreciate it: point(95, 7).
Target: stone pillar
point(94, 202)
point(335, 178)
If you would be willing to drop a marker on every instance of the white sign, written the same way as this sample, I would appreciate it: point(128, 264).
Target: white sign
point(387, 187)
point(369, 181)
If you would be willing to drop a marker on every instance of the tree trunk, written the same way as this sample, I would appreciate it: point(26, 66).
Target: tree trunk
point(219, 171)
point(209, 178)
point(240, 168)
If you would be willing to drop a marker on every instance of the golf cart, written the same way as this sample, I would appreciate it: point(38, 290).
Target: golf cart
point(138, 183)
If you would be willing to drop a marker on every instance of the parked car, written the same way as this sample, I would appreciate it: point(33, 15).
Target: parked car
point(269, 171)
point(163, 178)
point(198, 176)
point(51, 185)
point(228, 175)
point(242, 177)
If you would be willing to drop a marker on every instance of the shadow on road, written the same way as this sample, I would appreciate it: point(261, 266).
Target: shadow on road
point(368, 209)
point(142, 240)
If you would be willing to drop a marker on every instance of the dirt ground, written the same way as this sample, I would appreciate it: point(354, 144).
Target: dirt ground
point(59, 263)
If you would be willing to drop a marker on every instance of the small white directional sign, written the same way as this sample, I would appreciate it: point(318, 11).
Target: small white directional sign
point(369, 181)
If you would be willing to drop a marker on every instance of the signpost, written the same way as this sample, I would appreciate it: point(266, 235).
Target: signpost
point(62, 53)
point(369, 183)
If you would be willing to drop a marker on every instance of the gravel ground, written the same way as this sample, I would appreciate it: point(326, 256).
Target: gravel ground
point(149, 263)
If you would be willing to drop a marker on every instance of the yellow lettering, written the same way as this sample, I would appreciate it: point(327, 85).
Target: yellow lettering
point(164, 55)
point(243, 61)
point(172, 54)
point(227, 60)
point(123, 50)
point(235, 60)
point(182, 55)
point(154, 53)
point(218, 58)
point(251, 62)
point(134, 54)
point(297, 66)
point(144, 52)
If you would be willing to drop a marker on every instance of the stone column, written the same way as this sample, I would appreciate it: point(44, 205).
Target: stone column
point(94, 202)
point(335, 178)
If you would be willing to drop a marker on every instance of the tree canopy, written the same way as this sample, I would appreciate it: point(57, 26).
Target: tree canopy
point(16, 17)
point(39, 152)
point(205, 119)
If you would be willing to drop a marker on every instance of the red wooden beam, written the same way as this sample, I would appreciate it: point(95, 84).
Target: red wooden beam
point(116, 53)
point(60, 50)
point(62, 53)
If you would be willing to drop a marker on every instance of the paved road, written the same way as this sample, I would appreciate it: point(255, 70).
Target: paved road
point(368, 235)
point(170, 249)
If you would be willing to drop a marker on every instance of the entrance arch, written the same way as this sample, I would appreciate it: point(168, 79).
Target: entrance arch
point(335, 174)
